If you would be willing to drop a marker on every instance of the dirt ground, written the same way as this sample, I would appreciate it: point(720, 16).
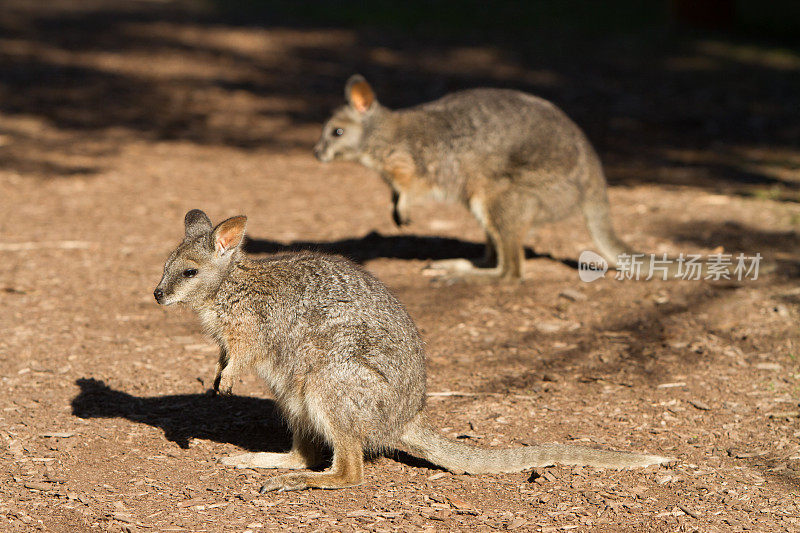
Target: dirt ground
point(118, 117)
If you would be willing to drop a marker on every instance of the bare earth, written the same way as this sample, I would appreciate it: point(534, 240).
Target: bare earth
point(116, 118)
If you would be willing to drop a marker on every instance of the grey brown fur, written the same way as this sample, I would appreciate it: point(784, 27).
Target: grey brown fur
point(514, 160)
point(344, 360)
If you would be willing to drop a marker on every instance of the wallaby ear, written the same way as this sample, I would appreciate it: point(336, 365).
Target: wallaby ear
point(359, 94)
point(197, 223)
point(228, 235)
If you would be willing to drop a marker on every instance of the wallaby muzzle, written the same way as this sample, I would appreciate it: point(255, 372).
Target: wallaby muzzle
point(322, 154)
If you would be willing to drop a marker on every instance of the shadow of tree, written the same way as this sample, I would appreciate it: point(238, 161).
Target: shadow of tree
point(641, 333)
point(638, 88)
point(733, 236)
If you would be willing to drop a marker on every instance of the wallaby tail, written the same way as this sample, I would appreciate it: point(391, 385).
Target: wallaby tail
point(425, 442)
point(598, 221)
point(632, 264)
point(618, 254)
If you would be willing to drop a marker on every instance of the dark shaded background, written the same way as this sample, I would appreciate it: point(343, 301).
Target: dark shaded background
point(692, 85)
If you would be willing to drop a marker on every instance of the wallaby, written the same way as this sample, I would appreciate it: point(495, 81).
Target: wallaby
point(342, 357)
point(514, 160)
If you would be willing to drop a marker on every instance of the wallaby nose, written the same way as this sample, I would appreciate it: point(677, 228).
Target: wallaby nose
point(159, 294)
point(319, 153)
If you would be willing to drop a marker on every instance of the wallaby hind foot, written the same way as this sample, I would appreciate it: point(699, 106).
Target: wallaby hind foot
point(288, 460)
point(304, 454)
point(460, 269)
point(347, 470)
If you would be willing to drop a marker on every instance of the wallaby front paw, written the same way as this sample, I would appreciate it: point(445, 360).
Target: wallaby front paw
point(284, 483)
point(223, 385)
point(400, 218)
point(400, 209)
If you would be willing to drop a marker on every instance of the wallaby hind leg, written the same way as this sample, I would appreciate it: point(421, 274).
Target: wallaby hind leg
point(503, 234)
point(347, 470)
point(505, 231)
point(304, 454)
point(511, 258)
point(489, 259)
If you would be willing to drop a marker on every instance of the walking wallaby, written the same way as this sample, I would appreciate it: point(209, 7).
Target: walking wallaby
point(342, 357)
point(514, 160)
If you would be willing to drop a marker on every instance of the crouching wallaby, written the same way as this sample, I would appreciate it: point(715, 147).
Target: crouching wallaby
point(516, 161)
point(342, 357)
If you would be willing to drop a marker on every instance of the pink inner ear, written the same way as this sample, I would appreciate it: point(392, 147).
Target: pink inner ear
point(362, 96)
point(223, 240)
point(226, 239)
point(229, 233)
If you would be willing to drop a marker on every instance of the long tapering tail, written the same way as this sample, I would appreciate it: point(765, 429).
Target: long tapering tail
point(425, 442)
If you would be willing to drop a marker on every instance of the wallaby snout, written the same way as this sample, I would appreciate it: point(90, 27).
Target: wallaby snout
point(322, 153)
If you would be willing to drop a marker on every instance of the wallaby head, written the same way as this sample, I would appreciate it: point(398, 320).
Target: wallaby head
point(343, 135)
point(198, 265)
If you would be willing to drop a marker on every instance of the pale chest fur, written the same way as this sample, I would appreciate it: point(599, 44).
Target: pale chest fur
point(403, 174)
point(242, 336)
point(212, 323)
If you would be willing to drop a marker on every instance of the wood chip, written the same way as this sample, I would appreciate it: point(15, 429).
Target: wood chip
point(671, 385)
point(688, 511)
point(700, 405)
point(785, 414)
point(123, 517)
point(517, 523)
point(440, 515)
point(192, 502)
point(35, 485)
point(553, 326)
point(572, 294)
point(741, 454)
point(57, 434)
point(458, 503)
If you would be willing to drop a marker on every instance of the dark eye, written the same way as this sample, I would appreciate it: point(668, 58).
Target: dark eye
point(338, 132)
point(190, 273)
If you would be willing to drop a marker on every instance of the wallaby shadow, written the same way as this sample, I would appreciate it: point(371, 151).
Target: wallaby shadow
point(373, 245)
point(253, 424)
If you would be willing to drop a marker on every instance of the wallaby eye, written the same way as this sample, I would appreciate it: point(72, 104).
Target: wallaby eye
point(190, 273)
point(338, 132)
